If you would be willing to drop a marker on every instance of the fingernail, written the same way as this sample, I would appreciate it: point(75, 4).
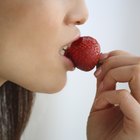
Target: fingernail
point(99, 104)
point(104, 56)
point(98, 72)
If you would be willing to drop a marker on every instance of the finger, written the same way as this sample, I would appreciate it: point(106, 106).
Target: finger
point(100, 69)
point(104, 58)
point(113, 53)
point(118, 52)
point(128, 105)
point(114, 62)
point(97, 88)
point(130, 74)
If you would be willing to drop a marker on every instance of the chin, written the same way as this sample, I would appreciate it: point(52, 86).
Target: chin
point(49, 90)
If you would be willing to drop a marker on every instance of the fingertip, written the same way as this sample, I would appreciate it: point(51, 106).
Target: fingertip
point(128, 105)
point(98, 72)
point(104, 56)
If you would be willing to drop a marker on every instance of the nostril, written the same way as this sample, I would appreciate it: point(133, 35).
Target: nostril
point(82, 20)
point(76, 19)
point(78, 22)
point(77, 15)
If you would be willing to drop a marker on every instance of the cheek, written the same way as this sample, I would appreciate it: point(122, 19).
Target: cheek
point(30, 59)
point(31, 22)
point(36, 73)
point(41, 79)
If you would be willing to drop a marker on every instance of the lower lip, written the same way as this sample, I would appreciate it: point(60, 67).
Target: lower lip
point(68, 63)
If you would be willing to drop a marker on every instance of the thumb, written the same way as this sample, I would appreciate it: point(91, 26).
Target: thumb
point(127, 103)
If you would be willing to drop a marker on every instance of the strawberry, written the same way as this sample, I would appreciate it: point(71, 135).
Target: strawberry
point(84, 53)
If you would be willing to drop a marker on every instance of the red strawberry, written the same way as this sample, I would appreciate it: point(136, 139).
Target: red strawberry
point(84, 53)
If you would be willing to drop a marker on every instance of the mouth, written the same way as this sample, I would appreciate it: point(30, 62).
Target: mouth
point(66, 61)
point(64, 48)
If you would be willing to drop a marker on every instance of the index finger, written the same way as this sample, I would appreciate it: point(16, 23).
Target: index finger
point(129, 74)
point(105, 56)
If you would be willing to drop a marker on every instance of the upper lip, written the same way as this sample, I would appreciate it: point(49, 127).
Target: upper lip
point(69, 43)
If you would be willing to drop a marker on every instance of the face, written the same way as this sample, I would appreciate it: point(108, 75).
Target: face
point(32, 35)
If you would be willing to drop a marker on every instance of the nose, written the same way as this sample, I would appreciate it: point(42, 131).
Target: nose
point(77, 13)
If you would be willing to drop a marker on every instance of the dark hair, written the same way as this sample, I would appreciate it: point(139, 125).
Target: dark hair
point(15, 108)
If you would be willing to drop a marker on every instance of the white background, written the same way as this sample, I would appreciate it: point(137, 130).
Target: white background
point(63, 116)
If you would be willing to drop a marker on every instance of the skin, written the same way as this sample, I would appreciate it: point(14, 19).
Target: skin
point(115, 114)
point(32, 33)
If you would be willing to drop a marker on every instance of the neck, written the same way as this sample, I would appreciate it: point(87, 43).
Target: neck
point(2, 81)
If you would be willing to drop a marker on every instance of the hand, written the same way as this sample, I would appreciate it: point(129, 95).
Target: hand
point(115, 114)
